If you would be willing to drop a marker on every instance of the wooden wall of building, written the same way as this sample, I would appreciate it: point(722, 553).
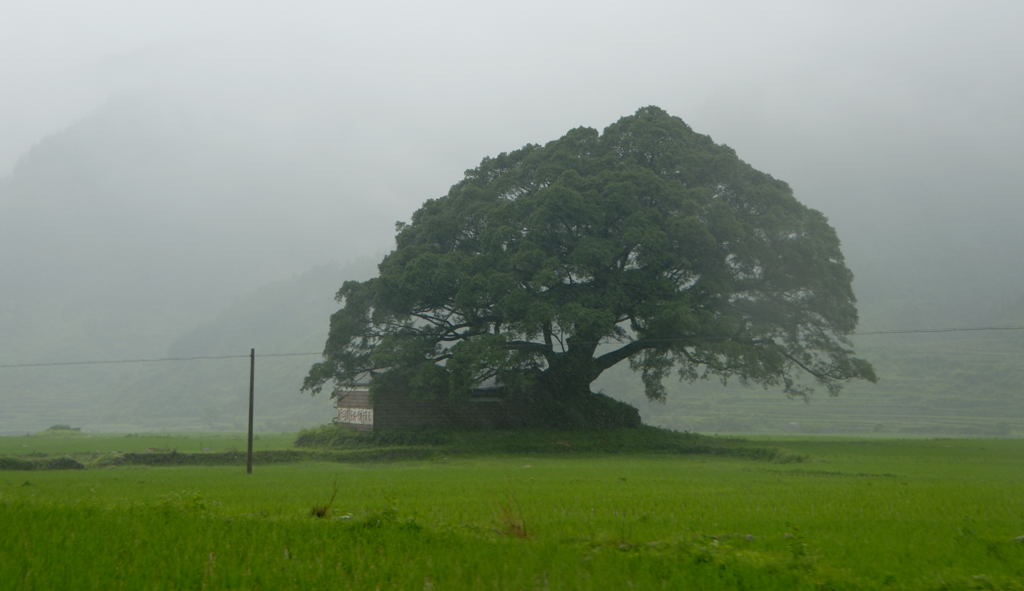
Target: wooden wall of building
point(355, 409)
point(388, 412)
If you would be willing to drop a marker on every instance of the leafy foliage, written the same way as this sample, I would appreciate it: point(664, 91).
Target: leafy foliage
point(548, 265)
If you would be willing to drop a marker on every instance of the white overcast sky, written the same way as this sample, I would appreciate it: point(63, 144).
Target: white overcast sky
point(877, 99)
point(730, 68)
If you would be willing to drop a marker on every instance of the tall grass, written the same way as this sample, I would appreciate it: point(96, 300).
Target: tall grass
point(856, 515)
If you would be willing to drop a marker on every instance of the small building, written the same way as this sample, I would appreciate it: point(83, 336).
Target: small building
point(355, 409)
point(486, 407)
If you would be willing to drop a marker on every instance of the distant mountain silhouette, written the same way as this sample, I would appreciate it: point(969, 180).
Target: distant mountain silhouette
point(146, 217)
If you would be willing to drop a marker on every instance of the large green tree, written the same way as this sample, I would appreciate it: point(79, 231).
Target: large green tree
point(647, 243)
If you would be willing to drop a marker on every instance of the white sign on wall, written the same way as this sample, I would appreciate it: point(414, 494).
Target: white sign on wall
point(355, 416)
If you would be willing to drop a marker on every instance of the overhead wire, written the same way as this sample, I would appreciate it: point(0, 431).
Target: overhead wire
point(937, 330)
point(318, 353)
point(151, 360)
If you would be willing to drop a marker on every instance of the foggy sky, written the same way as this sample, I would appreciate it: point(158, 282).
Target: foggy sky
point(767, 78)
point(890, 117)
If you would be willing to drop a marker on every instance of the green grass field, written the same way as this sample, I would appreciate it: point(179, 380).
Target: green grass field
point(855, 514)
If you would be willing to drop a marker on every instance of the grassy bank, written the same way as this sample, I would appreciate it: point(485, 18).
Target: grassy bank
point(63, 449)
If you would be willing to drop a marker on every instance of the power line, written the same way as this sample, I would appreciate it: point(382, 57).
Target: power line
point(318, 353)
point(936, 330)
point(150, 360)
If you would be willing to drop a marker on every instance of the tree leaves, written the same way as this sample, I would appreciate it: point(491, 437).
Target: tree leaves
point(549, 264)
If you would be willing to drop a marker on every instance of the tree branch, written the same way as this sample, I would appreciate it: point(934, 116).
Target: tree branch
point(611, 358)
point(824, 377)
point(531, 347)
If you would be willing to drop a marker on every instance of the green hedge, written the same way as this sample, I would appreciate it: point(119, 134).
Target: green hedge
point(64, 463)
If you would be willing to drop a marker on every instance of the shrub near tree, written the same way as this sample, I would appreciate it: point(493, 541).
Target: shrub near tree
point(647, 244)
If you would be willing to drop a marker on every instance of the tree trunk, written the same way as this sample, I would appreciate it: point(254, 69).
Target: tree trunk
point(564, 399)
point(569, 376)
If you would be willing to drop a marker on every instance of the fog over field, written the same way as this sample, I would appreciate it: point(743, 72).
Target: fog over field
point(197, 178)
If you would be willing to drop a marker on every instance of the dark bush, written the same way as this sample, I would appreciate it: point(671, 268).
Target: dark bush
point(64, 463)
point(341, 436)
point(587, 411)
point(16, 464)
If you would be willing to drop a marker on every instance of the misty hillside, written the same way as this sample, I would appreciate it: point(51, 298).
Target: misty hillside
point(286, 317)
point(965, 384)
point(177, 225)
point(166, 224)
point(947, 384)
point(150, 215)
point(941, 384)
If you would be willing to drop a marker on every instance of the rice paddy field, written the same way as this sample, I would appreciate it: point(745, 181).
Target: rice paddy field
point(822, 513)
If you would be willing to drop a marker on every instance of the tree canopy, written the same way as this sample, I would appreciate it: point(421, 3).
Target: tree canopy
point(646, 243)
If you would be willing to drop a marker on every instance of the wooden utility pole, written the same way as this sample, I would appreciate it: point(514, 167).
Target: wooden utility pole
point(252, 380)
